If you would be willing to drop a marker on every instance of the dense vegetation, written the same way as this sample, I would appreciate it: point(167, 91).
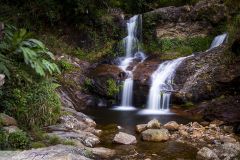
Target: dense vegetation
point(29, 93)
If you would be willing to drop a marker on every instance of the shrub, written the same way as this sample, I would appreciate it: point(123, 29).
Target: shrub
point(35, 105)
point(112, 88)
point(18, 140)
point(3, 140)
point(38, 145)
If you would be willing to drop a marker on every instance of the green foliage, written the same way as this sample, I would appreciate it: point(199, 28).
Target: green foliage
point(112, 88)
point(88, 84)
point(53, 140)
point(3, 140)
point(18, 140)
point(173, 48)
point(65, 65)
point(35, 105)
point(188, 105)
point(17, 46)
point(38, 145)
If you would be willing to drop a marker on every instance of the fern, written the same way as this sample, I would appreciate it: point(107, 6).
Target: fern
point(17, 43)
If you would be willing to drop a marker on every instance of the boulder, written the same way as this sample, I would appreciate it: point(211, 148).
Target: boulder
point(153, 124)
point(172, 126)
point(11, 129)
point(58, 152)
point(6, 120)
point(206, 154)
point(86, 138)
point(103, 152)
point(141, 127)
point(228, 151)
point(157, 135)
point(124, 138)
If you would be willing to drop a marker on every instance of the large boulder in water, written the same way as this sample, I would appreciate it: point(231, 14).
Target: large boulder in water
point(156, 135)
point(142, 80)
point(124, 138)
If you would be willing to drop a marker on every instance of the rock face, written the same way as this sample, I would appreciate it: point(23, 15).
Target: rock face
point(156, 135)
point(101, 74)
point(186, 21)
point(124, 138)
point(77, 127)
point(71, 92)
point(7, 120)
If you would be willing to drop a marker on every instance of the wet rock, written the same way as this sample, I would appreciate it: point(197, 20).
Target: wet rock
point(183, 133)
point(100, 76)
point(206, 154)
point(7, 120)
point(204, 123)
point(11, 129)
point(58, 152)
point(172, 126)
point(155, 135)
point(124, 138)
point(227, 139)
point(217, 122)
point(103, 152)
point(141, 127)
point(153, 124)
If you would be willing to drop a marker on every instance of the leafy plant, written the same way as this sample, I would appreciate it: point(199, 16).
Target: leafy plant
point(112, 88)
point(18, 140)
point(3, 140)
point(18, 45)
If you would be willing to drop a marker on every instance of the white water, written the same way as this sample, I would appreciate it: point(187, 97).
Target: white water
point(161, 87)
point(132, 51)
point(218, 40)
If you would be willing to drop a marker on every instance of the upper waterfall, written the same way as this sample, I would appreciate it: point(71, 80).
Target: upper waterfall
point(132, 51)
point(218, 40)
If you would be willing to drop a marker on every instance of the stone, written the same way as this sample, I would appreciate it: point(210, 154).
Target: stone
point(157, 135)
point(153, 124)
point(206, 154)
point(86, 138)
point(183, 133)
point(11, 129)
point(7, 120)
point(217, 122)
point(171, 126)
point(197, 134)
point(124, 138)
point(228, 151)
point(227, 139)
point(141, 127)
point(58, 152)
point(103, 152)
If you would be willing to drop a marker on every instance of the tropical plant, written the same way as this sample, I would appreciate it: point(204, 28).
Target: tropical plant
point(18, 45)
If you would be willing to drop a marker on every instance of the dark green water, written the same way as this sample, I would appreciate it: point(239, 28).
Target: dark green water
point(108, 120)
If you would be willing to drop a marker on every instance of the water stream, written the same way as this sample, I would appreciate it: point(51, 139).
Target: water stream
point(132, 51)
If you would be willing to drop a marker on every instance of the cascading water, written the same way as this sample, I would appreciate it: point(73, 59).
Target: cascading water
point(218, 40)
point(132, 51)
point(161, 86)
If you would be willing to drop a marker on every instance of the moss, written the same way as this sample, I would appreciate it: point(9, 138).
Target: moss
point(188, 105)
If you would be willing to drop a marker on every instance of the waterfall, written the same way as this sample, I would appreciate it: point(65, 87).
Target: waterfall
point(132, 51)
point(218, 40)
point(161, 86)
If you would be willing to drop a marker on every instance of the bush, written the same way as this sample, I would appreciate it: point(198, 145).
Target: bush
point(3, 140)
point(112, 88)
point(35, 105)
point(18, 140)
